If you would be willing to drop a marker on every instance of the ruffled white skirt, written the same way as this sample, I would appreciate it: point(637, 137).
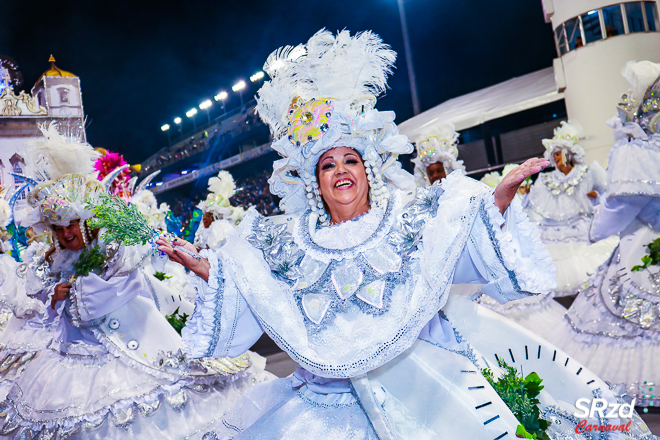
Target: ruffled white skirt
point(577, 261)
point(428, 392)
point(97, 396)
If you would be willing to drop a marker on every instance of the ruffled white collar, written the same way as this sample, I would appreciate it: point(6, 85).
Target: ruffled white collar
point(349, 233)
point(559, 176)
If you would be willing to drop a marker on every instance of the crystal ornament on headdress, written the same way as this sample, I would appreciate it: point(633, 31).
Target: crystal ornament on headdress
point(565, 139)
point(437, 144)
point(322, 95)
point(308, 121)
point(639, 107)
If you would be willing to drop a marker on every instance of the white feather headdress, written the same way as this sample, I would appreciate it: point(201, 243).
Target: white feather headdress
point(639, 108)
point(221, 189)
point(565, 139)
point(322, 95)
point(64, 170)
point(437, 144)
point(55, 156)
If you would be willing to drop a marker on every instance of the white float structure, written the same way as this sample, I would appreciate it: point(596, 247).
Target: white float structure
point(595, 39)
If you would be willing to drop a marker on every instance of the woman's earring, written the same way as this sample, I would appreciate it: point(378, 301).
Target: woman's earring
point(83, 233)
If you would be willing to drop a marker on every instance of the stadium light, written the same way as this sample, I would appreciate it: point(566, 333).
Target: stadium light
point(221, 96)
point(165, 127)
point(206, 104)
point(257, 76)
point(177, 120)
point(192, 112)
point(238, 86)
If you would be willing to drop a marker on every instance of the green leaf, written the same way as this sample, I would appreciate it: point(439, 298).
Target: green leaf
point(522, 433)
point(637, 268)
point(162, 276)
point(177, 321)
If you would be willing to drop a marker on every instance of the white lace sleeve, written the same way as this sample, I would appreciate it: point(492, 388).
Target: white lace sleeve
point(508, 254)
point(222, 324)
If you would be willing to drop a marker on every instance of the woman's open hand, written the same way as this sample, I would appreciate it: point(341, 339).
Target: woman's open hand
point(506, 190)
point(199, 266)
point(62, 292)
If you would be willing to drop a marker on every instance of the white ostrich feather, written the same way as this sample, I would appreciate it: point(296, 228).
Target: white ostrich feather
point(571, 128)
point(55, 155)
point(341, 68)
point(5, 213)
point(640, 75)
point(223, 185)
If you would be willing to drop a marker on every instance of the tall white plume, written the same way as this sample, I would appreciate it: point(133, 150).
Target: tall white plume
point(340, 68)
point(55, 155)
point(640, 75)
point(223, 185)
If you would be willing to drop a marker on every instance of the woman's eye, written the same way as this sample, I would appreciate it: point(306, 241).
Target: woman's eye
point(327, 166)
point(351, 161)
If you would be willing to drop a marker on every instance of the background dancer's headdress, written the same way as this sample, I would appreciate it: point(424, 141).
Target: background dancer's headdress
point(639, 108)
point(64, 182)
point(221, 189)
point(565, 139)
point(437, 144)
point(322, 95)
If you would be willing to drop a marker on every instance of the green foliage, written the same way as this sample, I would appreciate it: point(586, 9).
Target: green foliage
point(652, 258)
point(162, 276)
point(177, 321)
point(89, 261)
point(123, 223)
point(520, 394)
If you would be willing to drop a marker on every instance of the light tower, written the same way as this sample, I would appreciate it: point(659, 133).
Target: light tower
point(595, 39)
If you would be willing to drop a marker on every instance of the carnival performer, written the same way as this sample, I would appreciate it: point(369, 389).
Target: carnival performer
point(220, 218)
point(350, 282)
point(614, 325)
point(562, 203)
point(22, 335)
point(115, 368)
point(437, 154)
point(540, 313)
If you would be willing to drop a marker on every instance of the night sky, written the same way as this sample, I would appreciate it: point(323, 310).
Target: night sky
point(143, 63)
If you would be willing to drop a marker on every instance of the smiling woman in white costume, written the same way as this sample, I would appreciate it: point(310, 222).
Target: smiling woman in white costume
point(114, 368)
point(351, 282)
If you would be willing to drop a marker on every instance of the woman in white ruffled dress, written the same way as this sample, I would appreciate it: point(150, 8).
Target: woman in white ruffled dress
point(613, 326)
point(562, 204)
point(350, 282)
point(23, 335)
point(115, 368)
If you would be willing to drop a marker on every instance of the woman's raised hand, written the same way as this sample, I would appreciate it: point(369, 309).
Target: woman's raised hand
point(198, 265)
point(506, 190)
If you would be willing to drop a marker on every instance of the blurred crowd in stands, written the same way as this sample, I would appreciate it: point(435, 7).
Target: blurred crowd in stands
point(252, 191)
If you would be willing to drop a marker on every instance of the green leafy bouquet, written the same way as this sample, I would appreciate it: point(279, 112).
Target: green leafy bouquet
point(652, 258)
point(520, 394)
point(89, 261)
point(125, 225)
point(177, 321)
